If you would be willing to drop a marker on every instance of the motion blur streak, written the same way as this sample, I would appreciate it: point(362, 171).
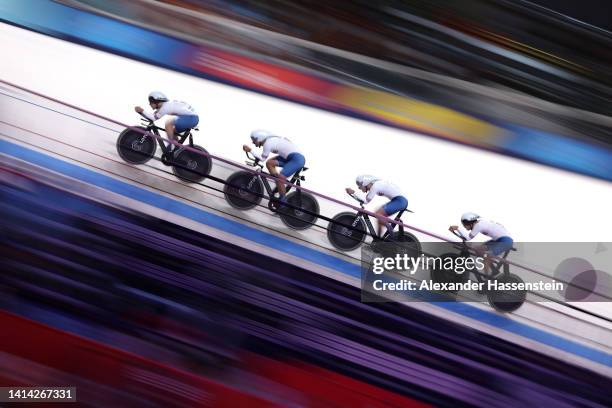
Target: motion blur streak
point(102, 289)
point(329, 79)
point(164, 315)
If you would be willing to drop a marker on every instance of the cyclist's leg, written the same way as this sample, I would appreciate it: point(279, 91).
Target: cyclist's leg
point(279, 162)
point(394, 206)
point(381, 225)
point(495, 248)
point(170, 129)
point(272, 166)
point(185, 122)
point(499, 246)
point(293, 163)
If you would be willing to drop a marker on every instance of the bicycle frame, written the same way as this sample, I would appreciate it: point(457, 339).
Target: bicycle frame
point(166, 149)
point(366, 219)
point(295, 179)
point(496, 265)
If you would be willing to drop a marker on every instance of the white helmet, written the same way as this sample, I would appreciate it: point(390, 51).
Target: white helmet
point(365, 180)
point(470, 217)
point(260, 136)
point(157, 96)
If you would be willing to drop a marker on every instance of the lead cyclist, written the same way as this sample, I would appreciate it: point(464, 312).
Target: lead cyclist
point(184, 116)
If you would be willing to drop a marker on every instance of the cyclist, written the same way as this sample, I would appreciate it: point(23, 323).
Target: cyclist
point(499, 243)
point(373, 187)
point(288, 156)
point(184, 116)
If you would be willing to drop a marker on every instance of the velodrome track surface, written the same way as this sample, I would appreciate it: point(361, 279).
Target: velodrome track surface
point(435, 175)
point(82, 147)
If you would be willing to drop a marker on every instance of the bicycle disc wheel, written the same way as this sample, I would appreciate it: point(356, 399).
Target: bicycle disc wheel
point(404, 243)
point(346, 231)
point(135, 147)
point(243, 190)
point(507, 300)
point(301, 211)
point(191, 166)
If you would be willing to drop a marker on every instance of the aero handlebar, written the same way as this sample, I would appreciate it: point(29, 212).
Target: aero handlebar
point(458, 235)
point(253, 161)
point(359, 200)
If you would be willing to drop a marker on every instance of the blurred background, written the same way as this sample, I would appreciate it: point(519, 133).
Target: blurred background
point(540, 76)
point(505, 45)
point(142, 302)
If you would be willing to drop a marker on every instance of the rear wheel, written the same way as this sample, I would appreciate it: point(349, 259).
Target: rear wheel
point(301, 211)
point(507, 300)
point(191, 166)
point(404, 243)
point(243, 190)
point(346, 231)
point(136, 147)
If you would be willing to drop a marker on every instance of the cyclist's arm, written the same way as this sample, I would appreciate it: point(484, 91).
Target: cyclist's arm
point(471, 234)
point(263, 156)
point(163, 111)
point(360, 196)
point(464, 233)
point(366, 198)
point(372, 193)
point(149, 115)
point(267, 149)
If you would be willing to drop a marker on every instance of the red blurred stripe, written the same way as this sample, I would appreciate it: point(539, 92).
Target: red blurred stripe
point(328, 388)
point(116, 368)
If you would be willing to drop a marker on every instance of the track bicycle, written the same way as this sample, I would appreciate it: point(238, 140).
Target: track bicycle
point(503, 301)
point(245, 190)
point(137, 145)
point(348, 230)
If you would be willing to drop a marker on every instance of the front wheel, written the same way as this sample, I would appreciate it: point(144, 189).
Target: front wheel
point(346, 231)
point(191, 166)
point(301, 210)
point(243, 190)
point(136, 146)
point(503, 297)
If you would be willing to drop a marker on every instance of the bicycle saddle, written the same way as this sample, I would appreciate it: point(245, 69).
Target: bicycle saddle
point(304, 168)
point(186, 132)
